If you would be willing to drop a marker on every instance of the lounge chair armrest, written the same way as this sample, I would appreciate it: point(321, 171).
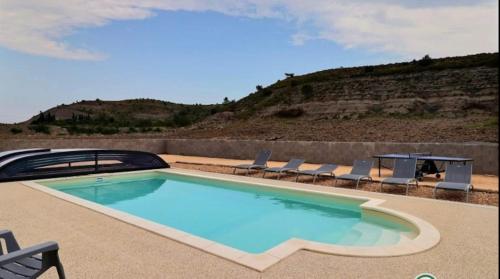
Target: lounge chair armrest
point(50, 246)
point(10, 241)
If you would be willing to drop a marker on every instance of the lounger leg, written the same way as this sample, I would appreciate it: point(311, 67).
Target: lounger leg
point(434, 192)
point(357, 183)
point(279, 174)
point(248, 171)
point(381, 183)
point(264, 174)
point(314, 179)
point(407, 188)
point(234, 170)
point(467, 195)
point(297, 178)
point(59, 268)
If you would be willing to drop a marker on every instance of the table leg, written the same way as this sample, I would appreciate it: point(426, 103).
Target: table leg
point(379, 165)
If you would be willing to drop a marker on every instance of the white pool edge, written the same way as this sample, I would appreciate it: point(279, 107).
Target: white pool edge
point(428, 236)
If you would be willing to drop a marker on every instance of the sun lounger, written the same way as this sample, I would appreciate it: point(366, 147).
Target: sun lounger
point(292, 165)
point(403, 173)
point(360, 171)
point(260, 162)
point(457, 177)
point(31, 262)
point(324, 169)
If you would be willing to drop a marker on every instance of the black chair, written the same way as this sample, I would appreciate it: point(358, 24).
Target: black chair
point(29, 262)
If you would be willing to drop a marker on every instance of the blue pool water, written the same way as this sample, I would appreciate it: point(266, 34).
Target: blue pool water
point(249, 218)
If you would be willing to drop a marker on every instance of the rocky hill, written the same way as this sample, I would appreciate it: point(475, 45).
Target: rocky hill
point(457, 86)
point(426, 100)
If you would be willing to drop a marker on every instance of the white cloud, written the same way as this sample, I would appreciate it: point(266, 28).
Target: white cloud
point(408, 28)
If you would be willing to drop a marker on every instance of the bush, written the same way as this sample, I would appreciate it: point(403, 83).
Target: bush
point(40, 128)
point(425, 61)
point(290, 113)
point(146, 129)
point(181, 119)
point(16, 130)
point(132, 130)
point(432, 108)
point(368, 69)
point(307, 91)
point(376, 109)
point(144, 123)
point(267, 92)
point(107, 130)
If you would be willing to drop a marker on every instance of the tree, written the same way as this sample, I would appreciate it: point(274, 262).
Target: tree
point(289, 75)
point(226, 100)
point(259, 87)
point(40, 119)
point(425, 61)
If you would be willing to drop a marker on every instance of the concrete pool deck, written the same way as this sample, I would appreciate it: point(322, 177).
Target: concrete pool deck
point(97, 246)
point(487, 183)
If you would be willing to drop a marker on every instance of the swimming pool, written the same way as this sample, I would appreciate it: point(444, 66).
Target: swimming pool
point(251, 218)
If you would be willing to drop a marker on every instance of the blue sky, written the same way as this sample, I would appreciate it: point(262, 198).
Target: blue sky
point(197, 54)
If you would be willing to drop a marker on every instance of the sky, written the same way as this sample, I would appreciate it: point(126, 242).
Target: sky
point(198, 51)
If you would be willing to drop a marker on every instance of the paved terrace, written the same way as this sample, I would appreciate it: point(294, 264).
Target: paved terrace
point(97, 246)
point(487, 183)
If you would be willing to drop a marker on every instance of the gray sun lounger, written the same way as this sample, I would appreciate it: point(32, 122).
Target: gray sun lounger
point(457, 177)
point(29, 262)
point(260, 162)
point(403, 173)
point(292, 165)
point(324, 169)
point(360, 171)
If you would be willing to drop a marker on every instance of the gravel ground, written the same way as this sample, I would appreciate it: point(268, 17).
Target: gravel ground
point(422, 191)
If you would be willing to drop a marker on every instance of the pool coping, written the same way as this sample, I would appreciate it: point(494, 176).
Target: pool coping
point(428, 236)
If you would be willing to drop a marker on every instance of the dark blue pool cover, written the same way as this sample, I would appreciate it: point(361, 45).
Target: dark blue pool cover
point(36, 163)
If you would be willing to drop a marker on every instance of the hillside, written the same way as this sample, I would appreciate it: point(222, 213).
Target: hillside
point(448, 99)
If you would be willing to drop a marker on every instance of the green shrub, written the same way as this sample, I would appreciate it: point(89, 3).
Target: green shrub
point(267, 92)
point(144, 123)
point(368, 69)
point(40, 128)
point(307, 91)
point(146, 129)
point(432, 108)
point(425, 61)
point(376, 109)
point(107, 130)
point(290, 113)
point(132, 130)
point(16, 130)
point(181, 119)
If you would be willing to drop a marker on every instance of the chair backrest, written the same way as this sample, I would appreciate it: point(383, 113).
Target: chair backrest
point(405, 168)
point(327, 168)
point(458, 173)
point(294, 163)
point(362, 167)
point(262, 157)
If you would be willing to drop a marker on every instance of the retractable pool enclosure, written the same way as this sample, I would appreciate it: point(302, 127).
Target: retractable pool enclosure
point(39, 163)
